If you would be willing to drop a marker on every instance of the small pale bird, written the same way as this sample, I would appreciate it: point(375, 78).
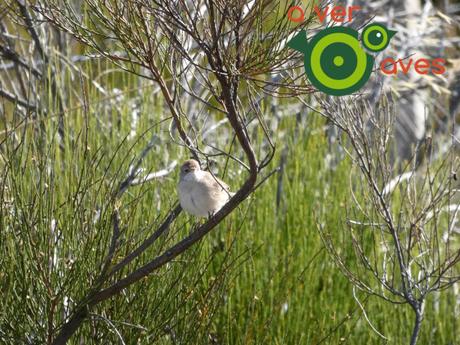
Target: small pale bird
point(201, 193)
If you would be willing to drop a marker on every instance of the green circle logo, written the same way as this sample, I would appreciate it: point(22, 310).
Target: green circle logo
point(376, 37)
point(335, 62)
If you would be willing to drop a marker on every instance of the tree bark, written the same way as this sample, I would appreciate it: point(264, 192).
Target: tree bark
point(418, 309)
point(71, 326)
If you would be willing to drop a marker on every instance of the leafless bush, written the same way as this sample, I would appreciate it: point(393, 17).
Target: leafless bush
point(402, 222)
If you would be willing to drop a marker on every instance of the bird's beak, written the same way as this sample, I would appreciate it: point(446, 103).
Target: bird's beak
point(391, 33)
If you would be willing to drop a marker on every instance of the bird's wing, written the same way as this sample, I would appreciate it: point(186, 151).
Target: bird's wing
point(216, 182)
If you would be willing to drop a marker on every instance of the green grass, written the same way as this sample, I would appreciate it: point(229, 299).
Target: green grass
point(263, 276)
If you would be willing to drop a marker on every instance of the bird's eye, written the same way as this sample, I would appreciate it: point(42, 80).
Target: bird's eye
point(376, 37)
point(186, 170)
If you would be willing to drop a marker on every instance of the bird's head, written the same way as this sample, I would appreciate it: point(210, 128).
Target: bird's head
point(376, 37)
point(189, 166)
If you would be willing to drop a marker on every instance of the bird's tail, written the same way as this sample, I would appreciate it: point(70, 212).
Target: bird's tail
point(299, 42)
